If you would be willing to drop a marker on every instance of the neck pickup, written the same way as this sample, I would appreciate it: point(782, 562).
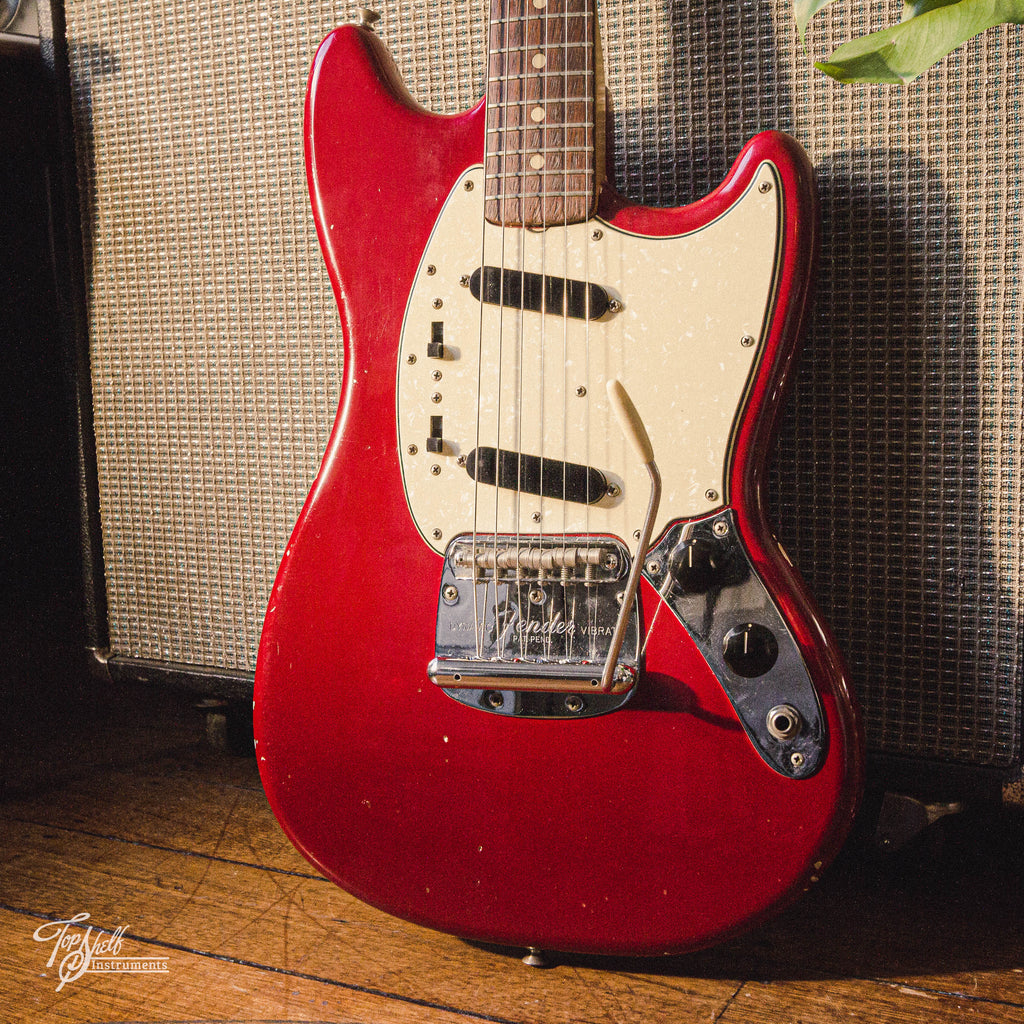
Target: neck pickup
point(531, 474)
point(559, 296)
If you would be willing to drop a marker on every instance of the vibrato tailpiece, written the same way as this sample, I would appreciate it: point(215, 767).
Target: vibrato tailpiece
point(525, 624)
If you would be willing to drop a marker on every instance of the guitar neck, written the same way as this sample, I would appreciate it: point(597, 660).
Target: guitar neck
point(544, 117)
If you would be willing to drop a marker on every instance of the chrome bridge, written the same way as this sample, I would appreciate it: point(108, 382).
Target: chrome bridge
point(524, 625)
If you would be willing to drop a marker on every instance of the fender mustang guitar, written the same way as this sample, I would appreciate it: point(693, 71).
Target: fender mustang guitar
point(535, 670)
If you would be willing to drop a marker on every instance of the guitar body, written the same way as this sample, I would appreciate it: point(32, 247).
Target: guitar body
point(673, 819)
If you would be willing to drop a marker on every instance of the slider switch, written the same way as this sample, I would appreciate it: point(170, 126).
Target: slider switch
point(435, 347)
point(435, 443)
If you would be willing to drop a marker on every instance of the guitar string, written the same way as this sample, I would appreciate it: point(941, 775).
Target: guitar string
point(501, 622)
point(569, 590)
point(498, 48)
point(589, 115)
point(565, 594)
point(479, 626)
point(520, 327)
point(547, 609)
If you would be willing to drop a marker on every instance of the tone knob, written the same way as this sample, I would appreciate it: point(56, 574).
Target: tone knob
point(696, 564)
point(750, 650)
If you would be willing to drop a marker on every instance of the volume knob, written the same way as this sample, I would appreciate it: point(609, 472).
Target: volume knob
point(750, 650)
point(696, 564)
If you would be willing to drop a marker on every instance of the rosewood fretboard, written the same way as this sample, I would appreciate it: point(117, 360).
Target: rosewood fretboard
point(542, 113)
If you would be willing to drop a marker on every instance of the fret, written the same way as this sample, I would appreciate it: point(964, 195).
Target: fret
point(520, 171)
point(518, 117)
point(541, 16)
point(530, 150)
point(508, 129)
point(582, 193)
point(545, 74)
point(581, 44)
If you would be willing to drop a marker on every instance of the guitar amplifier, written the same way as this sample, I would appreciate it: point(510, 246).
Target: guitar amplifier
point(215, 346)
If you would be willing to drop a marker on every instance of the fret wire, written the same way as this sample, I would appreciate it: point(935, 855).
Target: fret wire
point(546, 16)
point(560, 194)
point(586, 175)
point(553, 149)
point(550, 74)
point(581, 44)
point(508, 129)
point(518, 172)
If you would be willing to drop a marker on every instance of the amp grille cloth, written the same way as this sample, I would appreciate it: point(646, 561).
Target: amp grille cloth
point(216, 350)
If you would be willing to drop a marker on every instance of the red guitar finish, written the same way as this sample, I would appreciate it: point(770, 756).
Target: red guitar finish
point(654, 828)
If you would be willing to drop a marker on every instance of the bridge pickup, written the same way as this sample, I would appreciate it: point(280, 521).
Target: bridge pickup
point(559, 296)
point(532, 474)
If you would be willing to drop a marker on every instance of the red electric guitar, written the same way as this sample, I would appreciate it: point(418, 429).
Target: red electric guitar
point(535, 670)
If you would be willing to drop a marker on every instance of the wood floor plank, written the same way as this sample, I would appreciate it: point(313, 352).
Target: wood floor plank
point(213, 806)
point(178, 843)
point(851, 926)
point(195, 988)
point(860, 1002)
point(308, 927)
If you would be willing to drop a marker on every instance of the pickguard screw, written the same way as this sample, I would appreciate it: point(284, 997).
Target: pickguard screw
point(494, 699)
point(711, 494)
point(451, 594)
point(536, 517)
point(614, 306)
point(436, 534)
point(747, 340)
point(461, 460)
point(436, 375)
point(464, 280)
point(437, 303)
point(581, 391)
point(721, 528)
point(468, 186)
point(436, 397)
point(796, 759)
point(597, 234)
point(574, 703)
point(435, 470)
point(410, 359)
point(654, 567)
point(765, 186)
point(412, 449)
point(636, 535)
point(431, 269)
point(614, 490)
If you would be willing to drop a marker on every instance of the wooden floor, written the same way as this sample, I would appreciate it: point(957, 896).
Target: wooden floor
point(125, 813)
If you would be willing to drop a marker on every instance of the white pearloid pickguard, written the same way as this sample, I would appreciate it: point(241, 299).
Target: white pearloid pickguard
point(535, 383)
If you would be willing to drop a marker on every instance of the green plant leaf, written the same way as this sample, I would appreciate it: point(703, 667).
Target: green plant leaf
point(804, 10)
point(912, 8)
point(903, 52)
